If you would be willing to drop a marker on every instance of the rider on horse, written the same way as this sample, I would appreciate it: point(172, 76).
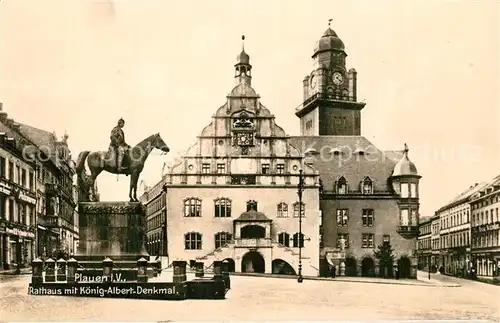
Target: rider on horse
point(118, 143)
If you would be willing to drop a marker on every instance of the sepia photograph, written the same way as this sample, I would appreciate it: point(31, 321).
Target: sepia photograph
point(249, 161)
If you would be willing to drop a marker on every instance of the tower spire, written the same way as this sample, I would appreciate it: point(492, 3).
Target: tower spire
point(406, 149)
point(329, 21)
point(243, 42)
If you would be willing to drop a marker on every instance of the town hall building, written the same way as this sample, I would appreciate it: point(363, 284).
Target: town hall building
point(234, 194)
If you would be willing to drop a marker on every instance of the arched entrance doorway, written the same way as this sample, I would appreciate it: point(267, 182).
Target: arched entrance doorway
point(253, 232)
point(367, 267)
point(351, 267)
point(231, 264)
point(404, 267)
point(253, 262)
point(386, 267)
point(282, 267)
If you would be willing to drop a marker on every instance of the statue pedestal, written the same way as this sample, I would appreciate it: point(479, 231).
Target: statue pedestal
point(111, 229)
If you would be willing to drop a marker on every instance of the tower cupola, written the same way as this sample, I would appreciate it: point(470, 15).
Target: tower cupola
point(242, 67)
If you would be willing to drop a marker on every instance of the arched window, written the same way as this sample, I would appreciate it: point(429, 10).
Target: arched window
point(341, 186)
point(367, 185)
point(222, 208)
point(192, 241)
point(296, 240)
point(296, 207)
point(284, 239)
point(192, 207)
point(222, 238)
point(251, 205)
point(282, 210)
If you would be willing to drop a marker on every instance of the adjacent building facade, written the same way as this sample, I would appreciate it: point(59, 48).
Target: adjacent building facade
point(155, 200)
point(17, 205)
point(486, 230)
point(52, 183)
point(425, 244)
point(465, 233)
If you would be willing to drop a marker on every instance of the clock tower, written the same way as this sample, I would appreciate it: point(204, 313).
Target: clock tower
point(330, 106)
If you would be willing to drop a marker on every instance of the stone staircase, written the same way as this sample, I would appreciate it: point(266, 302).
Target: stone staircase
point(280, 251)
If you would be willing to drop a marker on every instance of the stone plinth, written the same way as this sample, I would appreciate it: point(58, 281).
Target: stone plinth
point(111, 229)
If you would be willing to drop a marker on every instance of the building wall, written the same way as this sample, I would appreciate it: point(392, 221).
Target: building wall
point(486, 230)
point(267, 198)
point(17, 206)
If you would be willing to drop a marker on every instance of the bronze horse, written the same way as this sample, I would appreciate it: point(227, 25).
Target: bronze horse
point(133, 160)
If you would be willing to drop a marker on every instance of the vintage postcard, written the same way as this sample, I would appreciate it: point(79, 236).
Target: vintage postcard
point(230, 161)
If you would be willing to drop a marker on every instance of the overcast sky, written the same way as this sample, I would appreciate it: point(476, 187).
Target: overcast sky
point(428, 71)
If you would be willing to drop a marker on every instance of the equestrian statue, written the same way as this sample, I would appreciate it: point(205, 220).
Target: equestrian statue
point(120, 158)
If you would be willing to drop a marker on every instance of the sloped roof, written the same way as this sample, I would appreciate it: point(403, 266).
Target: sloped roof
point(253, 215)
point(376, 164)
point(466, 194)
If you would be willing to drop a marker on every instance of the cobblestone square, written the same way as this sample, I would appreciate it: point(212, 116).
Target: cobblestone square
point(263, 299)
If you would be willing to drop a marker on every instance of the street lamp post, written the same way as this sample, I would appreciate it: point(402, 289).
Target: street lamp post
point(429, 267)
point(300, 239)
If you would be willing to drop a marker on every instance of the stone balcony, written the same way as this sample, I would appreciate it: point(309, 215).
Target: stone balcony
point(253, 243)
point(408, 231)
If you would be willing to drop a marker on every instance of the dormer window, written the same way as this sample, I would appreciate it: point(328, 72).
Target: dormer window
point(335, 151)
point(341, 186)
point(310, 152)
point(359, 151)
point(367, 186)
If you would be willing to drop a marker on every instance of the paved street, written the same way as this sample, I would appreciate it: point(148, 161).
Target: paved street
point(262, 299)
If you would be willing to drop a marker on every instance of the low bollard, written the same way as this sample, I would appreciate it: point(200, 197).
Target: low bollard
point(158, 266)
point(199, 269)
point(37, 267)
point(72, 264)
point(179, 271)
point(142, 265)
point(61, 270)
point(107, 269)
point(218, 270)
point(225, 274)
point(50, 268)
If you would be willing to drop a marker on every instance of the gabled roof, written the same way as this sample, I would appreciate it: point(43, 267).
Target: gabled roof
point(464, 196)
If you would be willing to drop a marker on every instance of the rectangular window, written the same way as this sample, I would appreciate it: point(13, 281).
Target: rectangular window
point(346, 239)
point(11, 171)
point(18, 174)
point(31, 181)
point(280, 168)
point(265, 168)
point(192, 208)
point(342, 217)
point(368, 218)
point(221, 168)
point(367, 240)
point(205, 168)
point(413, 190)
point(2, 167)
point(404, 190)
point(296, 207)
point(23, 177)
point(404, 221)
point(11, 210)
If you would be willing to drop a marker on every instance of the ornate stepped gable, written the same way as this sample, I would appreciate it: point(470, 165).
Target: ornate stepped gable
point(242, 138)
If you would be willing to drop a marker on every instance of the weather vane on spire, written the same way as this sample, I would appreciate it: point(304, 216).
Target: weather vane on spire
point(406, 148)
point(243, 42)
point(329, 21)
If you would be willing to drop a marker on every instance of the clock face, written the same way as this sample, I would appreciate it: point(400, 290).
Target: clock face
point(312, 82)
point(244, 139)
point(337, 78)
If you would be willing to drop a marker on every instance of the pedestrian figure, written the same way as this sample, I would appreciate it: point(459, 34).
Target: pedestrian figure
point(333, 271)
point(397, 273)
